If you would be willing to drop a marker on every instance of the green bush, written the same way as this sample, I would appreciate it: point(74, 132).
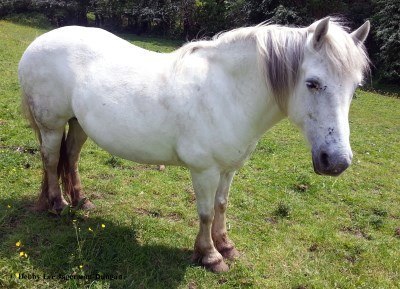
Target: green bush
point(386, 27)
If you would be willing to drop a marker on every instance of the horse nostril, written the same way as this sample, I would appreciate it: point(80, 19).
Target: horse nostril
point(324, 159)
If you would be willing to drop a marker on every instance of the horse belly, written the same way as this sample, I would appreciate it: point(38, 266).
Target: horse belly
point(128, 129)
point(148, 148)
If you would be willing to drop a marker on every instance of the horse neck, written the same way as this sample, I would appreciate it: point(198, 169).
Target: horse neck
point(241, 60)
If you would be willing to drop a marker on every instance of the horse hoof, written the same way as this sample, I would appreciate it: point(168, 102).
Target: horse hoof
point(230, 253)
point(217, 267)
point(88, 205)
point(41, 207)
point(58, 206)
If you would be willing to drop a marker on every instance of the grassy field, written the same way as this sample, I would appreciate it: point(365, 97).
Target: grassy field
point(294, 229)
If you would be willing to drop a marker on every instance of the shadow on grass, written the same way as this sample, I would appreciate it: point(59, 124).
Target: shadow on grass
point(58, 246)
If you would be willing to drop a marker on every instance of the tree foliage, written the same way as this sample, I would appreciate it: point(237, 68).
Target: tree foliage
point(198, 18)
point(387, 35)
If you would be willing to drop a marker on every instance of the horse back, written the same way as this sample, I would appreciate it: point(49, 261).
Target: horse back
point(60, 62)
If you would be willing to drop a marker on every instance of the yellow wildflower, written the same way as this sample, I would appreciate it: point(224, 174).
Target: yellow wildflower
point(21, 253)
point(80, 266)
point(103, 226)
point(90, 229)
point(17, 275)
point(18, 244)
point(9, 206)
point(25, 255)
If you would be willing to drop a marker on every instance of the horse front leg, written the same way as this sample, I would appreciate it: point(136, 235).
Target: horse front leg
point(219, 232)
point(205, 185)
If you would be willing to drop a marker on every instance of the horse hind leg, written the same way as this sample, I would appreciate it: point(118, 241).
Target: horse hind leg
point(60, 157)
point(70, 175)
point(51, 196)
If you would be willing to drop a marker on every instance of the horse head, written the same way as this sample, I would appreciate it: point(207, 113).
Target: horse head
point(333, 65)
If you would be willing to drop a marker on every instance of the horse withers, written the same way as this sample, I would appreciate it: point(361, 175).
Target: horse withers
point(203, 106)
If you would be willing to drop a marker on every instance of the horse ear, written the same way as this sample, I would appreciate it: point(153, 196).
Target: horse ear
point(320, 31)
point(361, 33)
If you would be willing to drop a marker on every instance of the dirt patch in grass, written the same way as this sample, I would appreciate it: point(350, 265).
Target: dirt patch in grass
point(21, 149)
point(397, 232)
point(191, 195)
point(313, 247)
point(358, 232)
point(174, 216)
point(301, 187)
point(271, 220)
point(12, 222)
point(95, 195)
point(146, 212)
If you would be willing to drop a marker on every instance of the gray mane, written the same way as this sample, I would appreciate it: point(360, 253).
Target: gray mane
point(281, 51)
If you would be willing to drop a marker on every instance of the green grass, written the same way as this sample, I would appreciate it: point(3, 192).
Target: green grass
point(294, 229)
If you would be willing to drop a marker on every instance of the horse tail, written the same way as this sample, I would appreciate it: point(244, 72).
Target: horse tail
point(26, 110)
point(64, 169)
point(28, 114)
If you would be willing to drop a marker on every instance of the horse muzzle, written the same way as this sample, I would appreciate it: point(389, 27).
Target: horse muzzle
point(330, 163)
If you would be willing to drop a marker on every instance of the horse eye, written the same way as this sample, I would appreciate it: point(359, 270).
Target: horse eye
point(312, 84)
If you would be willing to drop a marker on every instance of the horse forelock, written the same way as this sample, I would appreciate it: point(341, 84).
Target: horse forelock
point(344, 56)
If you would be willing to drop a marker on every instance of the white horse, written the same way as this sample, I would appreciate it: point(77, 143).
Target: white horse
point(204, 106)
